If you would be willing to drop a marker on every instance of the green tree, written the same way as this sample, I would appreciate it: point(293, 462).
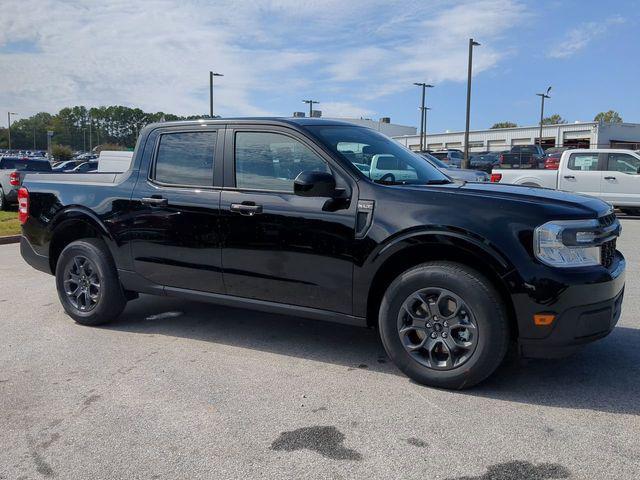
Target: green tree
point(608, 117)
point(504, 125)
point(62, 152)
point(554, 119)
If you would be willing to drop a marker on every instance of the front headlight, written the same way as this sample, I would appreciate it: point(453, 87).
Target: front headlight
point(567, 243)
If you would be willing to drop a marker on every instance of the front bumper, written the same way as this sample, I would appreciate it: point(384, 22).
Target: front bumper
point(585, 311)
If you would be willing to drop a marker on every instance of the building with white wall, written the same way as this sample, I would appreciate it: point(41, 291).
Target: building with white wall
point(575, 135)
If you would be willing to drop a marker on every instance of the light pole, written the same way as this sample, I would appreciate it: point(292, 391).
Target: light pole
point(211, 75)
point(422, 125)
point(84, 139)
point(310, 102)
point(465, 160)
point(542, 96)
point(9, 126)
point(90, 139)
point(424, 118)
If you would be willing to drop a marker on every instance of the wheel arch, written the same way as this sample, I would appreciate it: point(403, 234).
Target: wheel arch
point(73, 224)
point(420, 248)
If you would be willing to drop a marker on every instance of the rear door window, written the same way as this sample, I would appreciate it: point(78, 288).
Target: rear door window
point(186, 159)
point(585, 162)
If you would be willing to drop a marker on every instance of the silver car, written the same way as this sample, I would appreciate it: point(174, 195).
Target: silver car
point(455, 172)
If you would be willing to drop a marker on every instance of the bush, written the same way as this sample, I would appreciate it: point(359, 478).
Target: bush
point(62, 152)
point(108, 146)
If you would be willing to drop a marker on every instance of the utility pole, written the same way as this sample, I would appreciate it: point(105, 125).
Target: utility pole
point(34, 138)
point(465, 161)
point(9, 126)
point(84, 139)
point(310, 102)
point(211, 75)
point(90, 140)
point(422, 124)
point(542, 96)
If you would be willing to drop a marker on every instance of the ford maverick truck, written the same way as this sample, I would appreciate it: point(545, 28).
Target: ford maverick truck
point(275, 215)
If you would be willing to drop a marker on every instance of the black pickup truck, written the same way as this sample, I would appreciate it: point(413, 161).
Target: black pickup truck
point(276, 215)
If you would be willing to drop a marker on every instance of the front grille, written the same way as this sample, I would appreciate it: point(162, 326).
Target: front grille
point(607, 252)
point(607, 220)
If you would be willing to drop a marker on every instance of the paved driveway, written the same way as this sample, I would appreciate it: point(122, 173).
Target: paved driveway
point(183, 390)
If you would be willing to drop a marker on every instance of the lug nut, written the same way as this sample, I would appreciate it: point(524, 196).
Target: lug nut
point(445, 324)
point(444, 334)
point(428, 325)
point(434, 335)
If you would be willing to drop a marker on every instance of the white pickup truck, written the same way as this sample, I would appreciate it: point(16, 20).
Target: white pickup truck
point(611, 175)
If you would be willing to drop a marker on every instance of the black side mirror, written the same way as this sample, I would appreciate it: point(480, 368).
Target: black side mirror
point(314, 184)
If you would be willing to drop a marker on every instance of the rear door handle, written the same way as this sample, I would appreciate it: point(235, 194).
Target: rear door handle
point(246, 209)
point(569, 177)
point(155, 201)
point(609, 178)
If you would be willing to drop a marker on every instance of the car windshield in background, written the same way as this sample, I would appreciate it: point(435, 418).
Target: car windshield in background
point(377, 156)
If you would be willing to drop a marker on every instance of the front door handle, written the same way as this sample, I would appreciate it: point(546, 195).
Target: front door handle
point(569, 177)
point(609, 178)
point(155, 201)
point(246, 209)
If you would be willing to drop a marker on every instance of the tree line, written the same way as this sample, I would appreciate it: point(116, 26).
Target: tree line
point(80, 127)
point(607, 117)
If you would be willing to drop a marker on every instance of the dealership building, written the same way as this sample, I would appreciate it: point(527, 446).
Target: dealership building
point(574, 135)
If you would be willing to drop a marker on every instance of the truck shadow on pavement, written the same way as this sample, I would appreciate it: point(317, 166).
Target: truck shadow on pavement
point(602, 376)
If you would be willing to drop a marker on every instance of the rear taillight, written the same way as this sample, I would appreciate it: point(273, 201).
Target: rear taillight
point(14, 179)
point(23, 205)
point(496, 177)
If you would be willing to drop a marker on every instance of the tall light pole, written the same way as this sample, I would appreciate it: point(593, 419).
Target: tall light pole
point(9, 126)
point(84, 139)
point(542, 96)
point(424, 87)
point(211, 75)
point(424, 119)
point(310, 102)
point(90, 139)
point(465, 161)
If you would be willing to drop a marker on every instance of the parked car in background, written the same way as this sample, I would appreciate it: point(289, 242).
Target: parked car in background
point(86, 167)
point(522, 156)
point(484, 161)
point(552, 161)
point(457, 173)
point(12, 170)
point(272, 214)
point(609, 174)
point(450, 157)
point(66, 165)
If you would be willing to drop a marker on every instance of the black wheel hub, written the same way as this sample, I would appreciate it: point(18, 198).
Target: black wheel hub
point(437, 328)
point(82, 284)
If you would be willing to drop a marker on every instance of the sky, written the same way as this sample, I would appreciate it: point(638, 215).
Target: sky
point(359, 58)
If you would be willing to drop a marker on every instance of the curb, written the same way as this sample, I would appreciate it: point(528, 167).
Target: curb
point(10, 239)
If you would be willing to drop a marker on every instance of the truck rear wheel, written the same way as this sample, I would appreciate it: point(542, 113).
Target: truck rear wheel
point(3, 201)
point(88, 284)
point(444, 325)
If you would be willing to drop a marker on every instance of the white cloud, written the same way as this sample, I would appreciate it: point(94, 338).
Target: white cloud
point(156, 54)
point(578, 38)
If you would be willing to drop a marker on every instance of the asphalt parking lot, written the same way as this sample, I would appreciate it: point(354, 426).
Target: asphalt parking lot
point(184, 390)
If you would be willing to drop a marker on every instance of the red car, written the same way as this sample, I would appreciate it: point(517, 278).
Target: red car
point(552, 161)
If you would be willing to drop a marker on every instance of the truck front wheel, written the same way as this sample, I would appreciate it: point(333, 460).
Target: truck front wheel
point(88, 284)
point(444, 325)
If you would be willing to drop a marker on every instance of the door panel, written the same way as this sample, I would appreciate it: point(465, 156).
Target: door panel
point(282, 247)
point(581, 174)
point(620, 179)
point(175, 228)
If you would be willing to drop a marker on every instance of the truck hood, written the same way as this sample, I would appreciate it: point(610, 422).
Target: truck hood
point(572, 204)
point(538, 196)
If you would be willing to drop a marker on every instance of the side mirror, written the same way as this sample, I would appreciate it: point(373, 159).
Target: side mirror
point(314, 184)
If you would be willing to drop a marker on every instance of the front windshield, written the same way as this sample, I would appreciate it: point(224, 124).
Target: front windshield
point(378, 157)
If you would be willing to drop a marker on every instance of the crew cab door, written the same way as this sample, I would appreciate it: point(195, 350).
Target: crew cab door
point(581, 173)
point(278, 246)
point(175, 238)
point(621, 179)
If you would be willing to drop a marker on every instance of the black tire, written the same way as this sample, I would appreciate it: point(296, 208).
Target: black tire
point(490, 339)
point(3, 201)
point(89, 258)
